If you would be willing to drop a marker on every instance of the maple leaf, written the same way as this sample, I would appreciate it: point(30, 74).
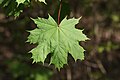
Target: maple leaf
point(59, 40)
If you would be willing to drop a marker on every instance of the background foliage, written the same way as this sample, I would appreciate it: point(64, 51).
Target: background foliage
point(101, 21)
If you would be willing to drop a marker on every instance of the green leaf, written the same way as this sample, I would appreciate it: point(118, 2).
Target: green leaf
point(13, 7)
point(1, 1)
point(42, 1)
point(20, 1)
point(59, 40)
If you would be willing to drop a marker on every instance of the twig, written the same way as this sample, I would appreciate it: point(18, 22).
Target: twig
point(59, 12)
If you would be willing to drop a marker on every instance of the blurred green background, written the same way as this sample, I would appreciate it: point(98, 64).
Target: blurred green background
point(101, 23)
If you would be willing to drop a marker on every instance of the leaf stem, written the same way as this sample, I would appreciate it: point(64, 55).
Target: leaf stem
point(59, 12)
